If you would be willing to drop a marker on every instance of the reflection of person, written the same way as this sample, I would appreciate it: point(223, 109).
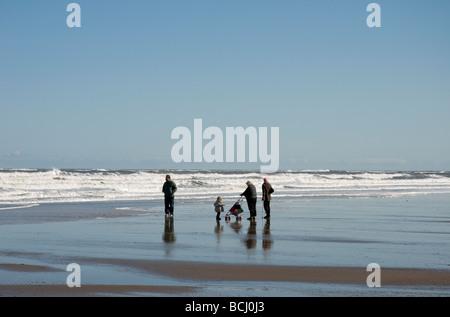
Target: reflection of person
point(218, 207)
point(169, 189)
point(250, 196)
point(267, 240)
point(169, 232)
point(267, 190)
point(218, 229)
point(250, 240)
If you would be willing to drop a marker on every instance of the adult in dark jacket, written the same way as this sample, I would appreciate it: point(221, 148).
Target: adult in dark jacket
point(169, 189)
point(250, 196)
point(267, 190)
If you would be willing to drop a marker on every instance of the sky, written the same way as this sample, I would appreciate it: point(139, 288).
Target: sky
point(109, 94)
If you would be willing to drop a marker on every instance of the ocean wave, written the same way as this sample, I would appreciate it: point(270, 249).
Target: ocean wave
point(18, 207)
point(18, 186)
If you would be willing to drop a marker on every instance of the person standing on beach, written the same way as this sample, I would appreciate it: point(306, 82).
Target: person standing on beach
point(169, 189)
point(267, 190)
point(218, 207)
point(250, 196)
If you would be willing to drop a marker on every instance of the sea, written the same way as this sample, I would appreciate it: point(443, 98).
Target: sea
point(21, 188)
point(53, 217)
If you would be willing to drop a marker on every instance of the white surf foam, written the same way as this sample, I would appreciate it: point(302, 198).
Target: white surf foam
point(30, 187)
point(19, 207)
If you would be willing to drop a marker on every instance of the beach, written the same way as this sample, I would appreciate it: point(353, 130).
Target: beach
point(309, 247)
point(342, 106)
point(311, 281)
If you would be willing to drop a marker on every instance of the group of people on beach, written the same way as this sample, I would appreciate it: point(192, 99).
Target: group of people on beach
point(169, 189)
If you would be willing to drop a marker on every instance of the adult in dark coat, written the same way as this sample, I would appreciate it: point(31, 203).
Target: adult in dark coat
point(250, 196)
point(267, 190)
point(169, 189)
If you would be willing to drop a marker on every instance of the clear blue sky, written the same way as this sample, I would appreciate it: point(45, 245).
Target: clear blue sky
point(108, 94)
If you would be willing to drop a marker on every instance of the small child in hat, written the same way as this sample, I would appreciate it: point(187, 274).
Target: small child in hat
point(218, 207)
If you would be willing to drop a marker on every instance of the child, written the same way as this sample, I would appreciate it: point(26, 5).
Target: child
point(218, 207)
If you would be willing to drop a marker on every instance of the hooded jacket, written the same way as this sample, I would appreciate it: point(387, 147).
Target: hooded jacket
point(267, 190)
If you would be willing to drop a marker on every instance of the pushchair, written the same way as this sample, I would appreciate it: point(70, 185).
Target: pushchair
point(235, 210)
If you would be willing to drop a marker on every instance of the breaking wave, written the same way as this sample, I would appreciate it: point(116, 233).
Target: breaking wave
point(35, 186)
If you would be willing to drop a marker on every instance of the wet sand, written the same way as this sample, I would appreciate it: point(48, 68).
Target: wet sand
point(308, 248)
point(198, 271)
point(91, 290)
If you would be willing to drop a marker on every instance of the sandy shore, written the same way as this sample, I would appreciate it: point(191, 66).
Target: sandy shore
point(213, 272)
point(281, 273)
point(89, 290)
point(309, 248)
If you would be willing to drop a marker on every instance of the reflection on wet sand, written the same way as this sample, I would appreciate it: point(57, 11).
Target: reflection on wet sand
point(218, 229)
point(250, 239)
point(267, 239)
point(236, 226)
point(169, 232)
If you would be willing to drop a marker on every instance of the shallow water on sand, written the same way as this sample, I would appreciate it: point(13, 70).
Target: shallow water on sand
point(410, 232)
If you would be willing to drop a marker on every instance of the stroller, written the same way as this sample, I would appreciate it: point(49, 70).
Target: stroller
point(235, 210)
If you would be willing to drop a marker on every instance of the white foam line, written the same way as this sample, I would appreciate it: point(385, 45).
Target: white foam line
point(19, 207)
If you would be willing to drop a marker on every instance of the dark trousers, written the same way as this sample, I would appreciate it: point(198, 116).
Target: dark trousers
point(267, 207)
point(251, 203)
point(168, 205)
